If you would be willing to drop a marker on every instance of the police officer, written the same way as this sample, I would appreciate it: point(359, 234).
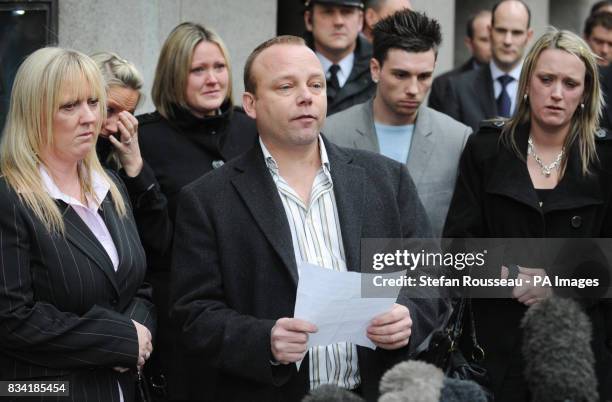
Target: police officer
point(333, 33)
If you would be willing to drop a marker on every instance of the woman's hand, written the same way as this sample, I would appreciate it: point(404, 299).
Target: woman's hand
point(145, 347)
point(529, 292)
point(128, 149)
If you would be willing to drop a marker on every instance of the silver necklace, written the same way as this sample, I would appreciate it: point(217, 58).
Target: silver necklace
point(546, 169)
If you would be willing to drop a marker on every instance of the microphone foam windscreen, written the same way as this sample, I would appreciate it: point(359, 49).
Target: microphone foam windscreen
point(331, 393)
point(559, 361)
point(456, 390)
point(418, 381)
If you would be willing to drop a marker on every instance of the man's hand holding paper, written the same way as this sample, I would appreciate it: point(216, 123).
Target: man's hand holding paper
point(391, 330)
point(332, 301)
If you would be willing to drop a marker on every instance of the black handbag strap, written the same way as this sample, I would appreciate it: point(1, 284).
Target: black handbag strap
point(478, 353)
point(457, 328)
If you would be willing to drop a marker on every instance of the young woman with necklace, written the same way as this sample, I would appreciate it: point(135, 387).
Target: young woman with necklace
point(543, 173)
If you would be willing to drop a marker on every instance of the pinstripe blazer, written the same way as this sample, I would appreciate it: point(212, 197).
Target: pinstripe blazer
point(64, 311)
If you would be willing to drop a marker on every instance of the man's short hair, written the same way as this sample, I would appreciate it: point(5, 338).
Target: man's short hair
point(599, 5)
point(250, 84)
point(520, 1)
point(407, 30)
point(603, 19)
point(469, 27)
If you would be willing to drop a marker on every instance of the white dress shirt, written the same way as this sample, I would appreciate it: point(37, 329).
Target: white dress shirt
point(317, 238)
point(346, 66)
point(511, 87)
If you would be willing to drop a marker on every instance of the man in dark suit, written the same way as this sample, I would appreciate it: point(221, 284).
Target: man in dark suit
point(477, 40)
point(598, 34)
point(294, 197)
point(333, 33)
point(491, 91)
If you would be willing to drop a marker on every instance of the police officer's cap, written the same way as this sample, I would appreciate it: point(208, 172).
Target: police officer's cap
point(350, 3)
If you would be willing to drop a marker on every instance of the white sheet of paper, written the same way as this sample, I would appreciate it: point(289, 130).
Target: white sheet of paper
point(332, 301)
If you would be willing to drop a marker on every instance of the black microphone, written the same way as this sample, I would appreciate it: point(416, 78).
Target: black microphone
point(416, 381)
point(559, 361)
point(331, 393)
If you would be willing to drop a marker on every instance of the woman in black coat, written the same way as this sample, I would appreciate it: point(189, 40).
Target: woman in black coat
point(543, 173)
point(194, 130)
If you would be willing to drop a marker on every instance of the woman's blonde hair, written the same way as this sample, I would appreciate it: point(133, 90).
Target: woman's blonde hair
point(41, 81)
point(119, 72)
point(585, 121)
point(174, 64)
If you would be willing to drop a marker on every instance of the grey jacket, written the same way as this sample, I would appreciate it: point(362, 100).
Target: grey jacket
point(433, 159)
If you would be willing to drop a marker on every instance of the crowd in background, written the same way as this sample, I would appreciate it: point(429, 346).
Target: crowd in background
point(167, 245)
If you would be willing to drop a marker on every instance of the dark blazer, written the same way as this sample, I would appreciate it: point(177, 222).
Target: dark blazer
point(65, 314)
point(494, 197)
point(359, 86)
point(605, 79)
point(234, 272)
point(438, 96)
point(177, 152)
point(471, 98)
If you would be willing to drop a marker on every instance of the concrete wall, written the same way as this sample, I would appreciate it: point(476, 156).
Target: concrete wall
point(136, 29)
point(444, 12)
point(570, 14)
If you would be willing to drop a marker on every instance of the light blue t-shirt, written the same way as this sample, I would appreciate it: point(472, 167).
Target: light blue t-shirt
point(394, 141)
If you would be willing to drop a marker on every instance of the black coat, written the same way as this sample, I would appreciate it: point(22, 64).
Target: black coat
point(438, 97)
point(234, 272)
point(176, 152)
point(359, 86)
point(494, 197)
point(65, 313)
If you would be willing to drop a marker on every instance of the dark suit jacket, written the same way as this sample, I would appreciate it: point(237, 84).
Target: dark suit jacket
point(438, 96)
point(234, 272)
point(65, 314)
point(471, 98)
point(605, 79)
point(178, 151)
point(359, 86)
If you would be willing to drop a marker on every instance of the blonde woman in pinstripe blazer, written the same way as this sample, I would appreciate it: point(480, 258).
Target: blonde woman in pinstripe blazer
point(73, 305)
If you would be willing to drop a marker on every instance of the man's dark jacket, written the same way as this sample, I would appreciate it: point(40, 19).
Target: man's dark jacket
point(234, 272)
point(438, 97)
point(605, 79)
point(471, 98)
point(359, 86)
